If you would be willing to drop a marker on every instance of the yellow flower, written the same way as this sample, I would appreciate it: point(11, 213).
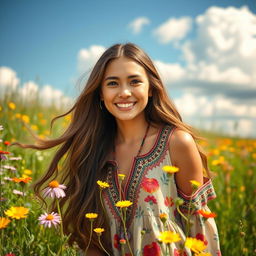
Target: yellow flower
point(203, 254)
point(102, 184)
point(11, 105)
point(91, 215)
point(99, 230)
point(18, 115)
point(34, 127)
point(163, 217)
point(25, 118)
point(4, 222)
point(121, 176)
point(17, 212)
point(195, 245)
point(195, 184)
point(27, 172)
point(168, 237)
point(170, 169)
point(123, 204)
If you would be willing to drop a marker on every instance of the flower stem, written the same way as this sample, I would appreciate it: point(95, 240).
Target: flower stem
point(125, 230)
point(89, 239)
point(101, 201)
point(102, 246)
point(61, 229)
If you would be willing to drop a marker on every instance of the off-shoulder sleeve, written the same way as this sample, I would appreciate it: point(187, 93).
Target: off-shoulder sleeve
point(202, 228)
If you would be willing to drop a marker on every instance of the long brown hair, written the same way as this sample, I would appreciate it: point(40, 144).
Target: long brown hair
point(88, 141)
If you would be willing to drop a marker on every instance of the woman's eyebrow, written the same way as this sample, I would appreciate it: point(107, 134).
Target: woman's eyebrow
point(117, 78)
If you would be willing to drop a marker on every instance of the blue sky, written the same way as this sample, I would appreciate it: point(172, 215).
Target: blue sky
point(41, 40)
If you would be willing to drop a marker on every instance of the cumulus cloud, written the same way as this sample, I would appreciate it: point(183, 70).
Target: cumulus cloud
point(88, 57)
point(219, 58)
point(173, 30)
point(30, 91)
point(137, 24)
point(218, 114)
point(8, 80)
point(223, 51)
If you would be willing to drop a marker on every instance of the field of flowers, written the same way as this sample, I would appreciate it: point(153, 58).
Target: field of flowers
point(27, 228)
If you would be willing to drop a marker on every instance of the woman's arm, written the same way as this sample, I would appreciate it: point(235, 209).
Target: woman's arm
point(185, 155)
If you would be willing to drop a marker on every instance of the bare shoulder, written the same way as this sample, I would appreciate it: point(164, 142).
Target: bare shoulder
point(180, 142)
point(185, 155)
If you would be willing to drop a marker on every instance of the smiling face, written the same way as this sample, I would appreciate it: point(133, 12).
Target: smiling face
point(125, 89)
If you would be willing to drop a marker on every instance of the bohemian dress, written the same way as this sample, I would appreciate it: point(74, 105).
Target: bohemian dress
point(153, 193)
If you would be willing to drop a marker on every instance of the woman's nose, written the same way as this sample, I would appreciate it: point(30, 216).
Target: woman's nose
point(125, 92)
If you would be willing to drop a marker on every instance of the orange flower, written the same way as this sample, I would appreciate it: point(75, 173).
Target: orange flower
point(206, 214)
point(22, 179)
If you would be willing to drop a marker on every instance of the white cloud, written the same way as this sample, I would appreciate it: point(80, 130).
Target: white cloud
point(53, 97)
point(88, 57)
point(225, 38)
point(170, 72)
point(173, 30)
point(30, 91)
point(8, 80)
point(217, 114)
point(137, 24)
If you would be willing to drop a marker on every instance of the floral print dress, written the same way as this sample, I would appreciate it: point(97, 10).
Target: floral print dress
point(153, 193)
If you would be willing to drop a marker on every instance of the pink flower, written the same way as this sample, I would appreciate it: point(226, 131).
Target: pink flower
point(48, 219)
point(150, 185)
point(150, 199)
point(17, 192)
point(54, 189)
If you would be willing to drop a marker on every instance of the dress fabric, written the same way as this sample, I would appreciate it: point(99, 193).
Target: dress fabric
point(153, 192)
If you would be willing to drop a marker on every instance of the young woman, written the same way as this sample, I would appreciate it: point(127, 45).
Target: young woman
point(124, 123)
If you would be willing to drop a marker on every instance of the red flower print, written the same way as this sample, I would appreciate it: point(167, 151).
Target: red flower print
point(116, 241)
point(179, 253)
point(152, 250)
point(168, 201)
point(150, 185)
point(201, 237)
point(218, 253)
point(150, 199)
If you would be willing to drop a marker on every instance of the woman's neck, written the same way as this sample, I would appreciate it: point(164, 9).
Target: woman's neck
point(129, 132)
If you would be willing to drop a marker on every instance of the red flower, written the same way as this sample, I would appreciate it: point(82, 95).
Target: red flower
point(7, 143)
point(201, 237)
point(150, 199)
point(179, 253)
point(168, 201)
point(4, 152)
point(10, 254)
point(150, 185)
point(116, 241)
point(152, 250)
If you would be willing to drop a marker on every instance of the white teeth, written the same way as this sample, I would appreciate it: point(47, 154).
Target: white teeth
point(125, 105)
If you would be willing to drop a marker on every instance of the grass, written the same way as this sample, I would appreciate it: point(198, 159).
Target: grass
point(232, 161)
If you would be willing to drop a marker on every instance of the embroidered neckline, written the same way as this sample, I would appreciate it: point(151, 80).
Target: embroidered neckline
point(141, 165)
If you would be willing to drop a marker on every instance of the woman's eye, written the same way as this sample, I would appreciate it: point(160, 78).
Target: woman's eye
point(112, 83)
point(135, 81)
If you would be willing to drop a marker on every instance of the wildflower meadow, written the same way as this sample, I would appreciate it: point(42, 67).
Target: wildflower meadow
point(29, 228)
